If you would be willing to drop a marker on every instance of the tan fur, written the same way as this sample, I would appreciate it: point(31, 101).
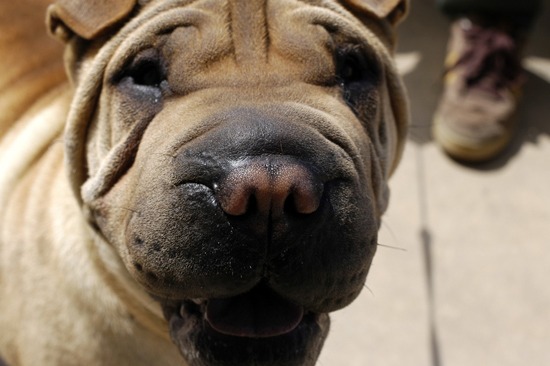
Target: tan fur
point(66, 297)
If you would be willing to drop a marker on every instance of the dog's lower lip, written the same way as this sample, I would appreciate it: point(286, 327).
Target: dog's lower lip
point(200, 344)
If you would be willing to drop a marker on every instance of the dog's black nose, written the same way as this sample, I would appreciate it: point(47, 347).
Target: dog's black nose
point(272, 187)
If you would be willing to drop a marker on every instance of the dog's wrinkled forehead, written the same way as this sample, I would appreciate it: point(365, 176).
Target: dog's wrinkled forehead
point(89, 19)
point(282, 39)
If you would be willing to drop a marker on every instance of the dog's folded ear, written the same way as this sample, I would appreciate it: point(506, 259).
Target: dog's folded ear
point(87, 19)
point(391, 10)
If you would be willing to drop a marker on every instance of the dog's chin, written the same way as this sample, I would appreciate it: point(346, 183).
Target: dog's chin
point(255, 328)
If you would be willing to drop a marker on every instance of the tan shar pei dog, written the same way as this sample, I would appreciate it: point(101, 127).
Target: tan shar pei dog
point(204, 186)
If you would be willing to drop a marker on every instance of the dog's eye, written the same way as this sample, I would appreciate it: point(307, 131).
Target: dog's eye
point(354, 66)
point(351, 69)
point(358, 75)
point(146, 73)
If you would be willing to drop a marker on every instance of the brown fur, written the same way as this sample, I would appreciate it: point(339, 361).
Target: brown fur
point(71, 164)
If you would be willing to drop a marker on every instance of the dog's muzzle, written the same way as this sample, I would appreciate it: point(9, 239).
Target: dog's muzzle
point(253, 230)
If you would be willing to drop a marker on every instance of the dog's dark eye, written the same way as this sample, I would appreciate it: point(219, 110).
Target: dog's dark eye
point(144, 73)
point(147, 73)
point(354, 66)
point(357, 75)
point(351, 69)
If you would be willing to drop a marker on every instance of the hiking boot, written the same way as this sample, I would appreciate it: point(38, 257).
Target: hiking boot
point(475, 121)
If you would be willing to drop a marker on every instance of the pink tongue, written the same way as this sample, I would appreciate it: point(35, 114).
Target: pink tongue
point(256, 314)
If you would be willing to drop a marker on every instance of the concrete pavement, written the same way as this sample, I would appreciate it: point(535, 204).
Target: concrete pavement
point(469, 282)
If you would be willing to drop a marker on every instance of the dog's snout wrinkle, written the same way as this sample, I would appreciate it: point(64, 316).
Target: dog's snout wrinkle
point(270, 188)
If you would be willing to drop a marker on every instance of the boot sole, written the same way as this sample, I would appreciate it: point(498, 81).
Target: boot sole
point(461, 148)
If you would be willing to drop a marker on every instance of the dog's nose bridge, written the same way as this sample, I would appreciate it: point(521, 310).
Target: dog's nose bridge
point(249, 30)
point(274, 187)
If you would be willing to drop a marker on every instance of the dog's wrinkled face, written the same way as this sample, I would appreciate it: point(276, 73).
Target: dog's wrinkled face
point(236, 157)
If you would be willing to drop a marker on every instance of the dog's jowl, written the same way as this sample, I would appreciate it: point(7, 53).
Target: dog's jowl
point(203, 184)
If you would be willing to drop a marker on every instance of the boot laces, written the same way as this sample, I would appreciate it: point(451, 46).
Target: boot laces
point(490, 60)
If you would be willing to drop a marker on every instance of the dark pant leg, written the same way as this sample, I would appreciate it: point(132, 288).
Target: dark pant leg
point(522, 12)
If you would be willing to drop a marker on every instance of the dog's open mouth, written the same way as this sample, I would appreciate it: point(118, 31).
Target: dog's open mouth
point(258, 327)
point(256, 314)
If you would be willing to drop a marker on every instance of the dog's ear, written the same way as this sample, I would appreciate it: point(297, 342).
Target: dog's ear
point(391, 10)
point(85, 18)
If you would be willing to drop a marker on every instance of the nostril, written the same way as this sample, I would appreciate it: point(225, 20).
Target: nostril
point(236, 199)
point(306, 196)
point(276, 188)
